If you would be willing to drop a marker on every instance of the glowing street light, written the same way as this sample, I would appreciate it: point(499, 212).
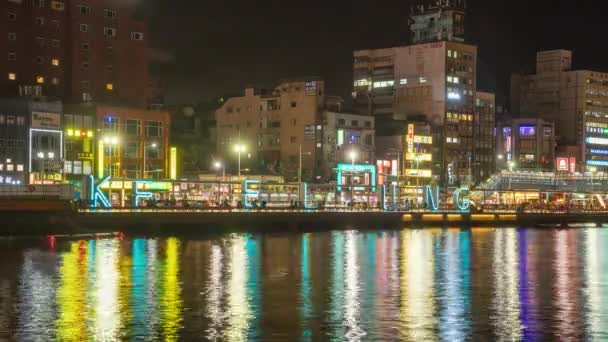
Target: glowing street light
point(152, 145)
point(240, 148)
point(352, 155)
point(219, 165)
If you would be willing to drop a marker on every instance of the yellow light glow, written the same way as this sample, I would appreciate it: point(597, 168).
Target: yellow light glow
point(77, 133)
point(419, 156)
point(71, 294)
point(419, 173)
point(70, 132)
point(170, 301)
point(423, 139)
point(90, 134)
point(12, 76)
point(100, 159)
point(39, 79)
point(55, 62)
point(432, 217)
point(173, 163)
point(483, 217)
point(109, 86)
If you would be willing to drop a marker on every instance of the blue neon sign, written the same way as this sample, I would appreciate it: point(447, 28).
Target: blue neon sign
point(96, 196)
point(247, 192)
point(356, 168)
point(137, 195)
point(597, 162)
point(596, 151)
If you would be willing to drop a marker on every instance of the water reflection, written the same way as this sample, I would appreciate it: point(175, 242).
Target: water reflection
point(410, 285)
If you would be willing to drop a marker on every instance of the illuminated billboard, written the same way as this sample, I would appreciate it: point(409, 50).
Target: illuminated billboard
point(418, 173)
point(562, 164)
point(596, 141)
point(419, 156)
point(423, 139)
point(527, 130)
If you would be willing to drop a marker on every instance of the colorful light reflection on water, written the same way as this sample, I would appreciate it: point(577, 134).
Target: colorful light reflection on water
point(410, 285)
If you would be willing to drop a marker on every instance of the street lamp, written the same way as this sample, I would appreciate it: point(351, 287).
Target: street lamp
point(153, 145)
point(219, 165)
point(240, 148)
point(352, 155)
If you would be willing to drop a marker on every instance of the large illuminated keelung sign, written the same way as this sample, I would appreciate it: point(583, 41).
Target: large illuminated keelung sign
point(432, 198)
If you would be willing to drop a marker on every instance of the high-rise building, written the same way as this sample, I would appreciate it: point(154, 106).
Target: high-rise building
point(575, 100)
point(434, 78)
point(526, 144)
point(484, 156)
point(438, 20)
point(77, 51)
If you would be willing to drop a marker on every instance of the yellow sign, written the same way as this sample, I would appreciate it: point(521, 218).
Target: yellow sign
point(173, 163)
point(418, 173)
point(100, 159)
point(419, 156)
point(423, 139)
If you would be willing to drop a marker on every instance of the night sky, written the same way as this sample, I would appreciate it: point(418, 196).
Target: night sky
point(210, 48)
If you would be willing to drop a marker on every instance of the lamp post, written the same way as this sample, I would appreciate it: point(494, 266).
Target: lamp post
point(41, 166)
point(240, 148)
point(113, 143)
point(153, 145)
point(219, 165)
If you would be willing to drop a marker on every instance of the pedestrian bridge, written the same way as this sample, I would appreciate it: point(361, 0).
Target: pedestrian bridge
point(545, 181)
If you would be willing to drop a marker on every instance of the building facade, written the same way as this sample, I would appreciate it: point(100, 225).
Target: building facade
point(442, 20)
point(274, 127)
point(436, 81)
point(576, 100)
point(76, 51)
point(484, 156)
point(133, 143)
point(526, 144)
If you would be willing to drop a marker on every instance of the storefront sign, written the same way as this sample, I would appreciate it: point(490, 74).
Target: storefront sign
point(9, 180)
point(46, 120)
point(562, 164)
point(572, 164)
point(410, 138)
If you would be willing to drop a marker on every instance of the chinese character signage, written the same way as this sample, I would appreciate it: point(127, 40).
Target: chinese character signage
point(562, 164)
point(46, 120)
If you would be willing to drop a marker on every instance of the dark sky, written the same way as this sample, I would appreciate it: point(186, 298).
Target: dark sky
point(215, 47)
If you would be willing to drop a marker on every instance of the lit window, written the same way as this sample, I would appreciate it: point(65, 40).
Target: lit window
point(57, 5)
point(10, 167)
point(319, 145)
point(137, 36)
point(455, 54)
point(1, 167)
point(39, 79)
point(449, 53)
point(55, 80)
point(384, 84)
point(450, 79)
point(422, 80)
point(20, 167)
point(12, 76)
point(55, 62)
point(361, 83)
point(403, 81)
point(449, 139)
point(110, 86)
point(456, 79)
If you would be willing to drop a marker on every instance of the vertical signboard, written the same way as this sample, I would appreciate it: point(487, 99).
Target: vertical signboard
point(173, 163)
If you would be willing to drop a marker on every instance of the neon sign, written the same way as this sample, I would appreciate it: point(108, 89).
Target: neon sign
point(137, 195)
point(596, 141)
point(371, 169)
point(250, 192)
point(597, 162)
point(432, 199)
point(410, 138)
point(96, 195)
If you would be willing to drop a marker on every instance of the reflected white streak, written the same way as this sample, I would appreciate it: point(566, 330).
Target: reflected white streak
point(352, 305)
point(107, 313)
point(506, 285)
point(214, 294)
point(239, 313)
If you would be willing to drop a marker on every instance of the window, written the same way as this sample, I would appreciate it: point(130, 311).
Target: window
point(403, 81)
point(84, 10)
point(154, 128)
point(87, 167)
point(40, 41)
point(77, 167)
point(12, 16)
point(109, 13)
point(354, 123)
point(67, 167)
point(110, 68)
point(293, 140)
point(341, 122)
point(109, 31)
point(84, 28)
point(12, 36)
point(55, 24)
point(2, 120)
point(55, 43)
point(55, 62)
point(132, 150)
point(12, 56)
point(85, 84)
point(20, 120)
point(110, 123)
point(449, 53)
point(85, 65)
point(319, 145)
point(153, 153)
point(294, 122)
point(84, 46)
point(19, 167)
point(40, 79)
point(55, 80)
point(57, 5)
point(39, 59)
point(11, 120)
point(293, 104)
point(39, 21)
point(422, 80)
point(10, 167)
point(12, 76)
point(132, 127)
point(137, 36)
point(384, 84)
point(368, 124)
point(38, 3)
point(110, 86)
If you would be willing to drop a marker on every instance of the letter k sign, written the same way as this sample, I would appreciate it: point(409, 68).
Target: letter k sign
point(97, 195)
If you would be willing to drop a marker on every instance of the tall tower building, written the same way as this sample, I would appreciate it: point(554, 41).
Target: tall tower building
point(434, 78)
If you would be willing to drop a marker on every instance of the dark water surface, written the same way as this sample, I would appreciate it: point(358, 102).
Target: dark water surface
point(410, 285)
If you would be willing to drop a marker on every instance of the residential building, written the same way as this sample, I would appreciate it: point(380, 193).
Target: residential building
point(135, 142)
point(434, 80)
point(347, 138)
point(77, 51)
point(526, 143)
point(484, 155)
point(442, 20)
point(575, 100)
point(276, 127)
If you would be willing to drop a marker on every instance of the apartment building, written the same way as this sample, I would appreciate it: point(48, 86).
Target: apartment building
point(575, 100)
point(526, 144)
point(78, 51)
point(484, 156)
